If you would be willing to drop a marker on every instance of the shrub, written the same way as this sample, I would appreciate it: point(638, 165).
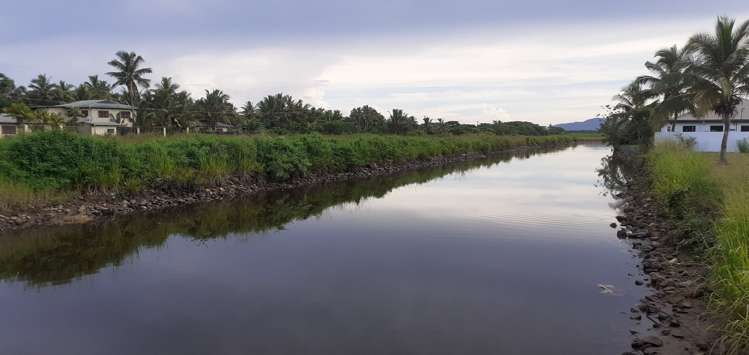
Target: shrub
point(743, 145)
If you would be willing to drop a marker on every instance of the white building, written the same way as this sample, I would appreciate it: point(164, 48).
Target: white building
point(98, 117)
point(707, 131)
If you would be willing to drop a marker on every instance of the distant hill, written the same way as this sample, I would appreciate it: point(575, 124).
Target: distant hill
point(592, 124)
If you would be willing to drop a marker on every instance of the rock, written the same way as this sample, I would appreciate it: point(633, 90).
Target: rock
point(621, 234)
point(638, 282)
point(612, 225)
point(647, 342)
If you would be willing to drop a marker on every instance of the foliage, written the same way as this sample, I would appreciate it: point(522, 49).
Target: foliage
point(128, 73)
point(56, 160)
point(743, 145)
point(720, 71)
point(629, 120)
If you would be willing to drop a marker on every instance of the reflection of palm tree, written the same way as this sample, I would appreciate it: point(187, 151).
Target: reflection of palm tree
point(130, 74)
point(721, 72)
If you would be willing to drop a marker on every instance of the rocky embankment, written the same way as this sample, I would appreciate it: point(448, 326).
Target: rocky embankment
point(673, 318)
point(93, 206)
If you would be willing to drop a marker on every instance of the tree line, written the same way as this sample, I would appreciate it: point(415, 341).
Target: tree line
point(165, 104)
point(708, 74)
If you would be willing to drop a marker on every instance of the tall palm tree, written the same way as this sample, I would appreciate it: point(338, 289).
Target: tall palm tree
point(42, 91)
point(670, 81)
point(130, 74)
point(721, 71)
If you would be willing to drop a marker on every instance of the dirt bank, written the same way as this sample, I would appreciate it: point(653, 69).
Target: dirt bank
point(673, 319)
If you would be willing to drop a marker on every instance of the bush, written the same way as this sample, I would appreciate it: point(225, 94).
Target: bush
point(67, 161)
point(743, 145)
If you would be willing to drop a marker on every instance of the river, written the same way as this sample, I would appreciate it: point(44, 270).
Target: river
point(511, 255)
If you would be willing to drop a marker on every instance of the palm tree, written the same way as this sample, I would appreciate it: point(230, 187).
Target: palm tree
point(130, 74)
point(670, 81)
point(63, 91)
point(427, 125)
point(165, 105)
point(97, 89)
point(367, 119)
point(215, 107)
point(7, 86)
point(42, 91)
point(630, 119)
point(721, 72)
point(401, 122)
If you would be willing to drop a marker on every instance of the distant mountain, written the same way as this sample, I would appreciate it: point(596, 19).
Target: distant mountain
point(592, 124)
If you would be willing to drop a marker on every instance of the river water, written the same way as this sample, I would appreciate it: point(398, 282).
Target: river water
point(503, 256)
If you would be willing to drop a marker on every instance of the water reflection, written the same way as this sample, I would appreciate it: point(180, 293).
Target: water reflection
point(496, 257)
point(50, 256)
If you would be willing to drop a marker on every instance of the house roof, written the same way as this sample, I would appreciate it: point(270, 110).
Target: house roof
point(7, 119)
point(104, 104)
point(742, 113)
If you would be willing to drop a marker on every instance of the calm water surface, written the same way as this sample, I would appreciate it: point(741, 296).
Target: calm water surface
point(502, 257)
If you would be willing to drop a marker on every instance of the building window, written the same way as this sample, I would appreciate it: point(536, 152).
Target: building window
point(125, 115)
point(8, 130)
point(689, 128)
point(716, 128)
point(103, 114)
point(111, 131)
point(744, 128)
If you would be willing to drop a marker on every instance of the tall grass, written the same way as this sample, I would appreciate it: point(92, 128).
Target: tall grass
point(42, 164)
point(684, 187)
point(703, 187)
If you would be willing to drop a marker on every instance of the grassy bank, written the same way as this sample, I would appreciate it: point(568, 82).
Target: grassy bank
point(712, 200)
point(47, 167)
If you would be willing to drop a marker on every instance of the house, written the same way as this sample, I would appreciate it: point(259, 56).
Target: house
point(217, 128)
point(98, 117)
point(8, 125)
point(707, 131)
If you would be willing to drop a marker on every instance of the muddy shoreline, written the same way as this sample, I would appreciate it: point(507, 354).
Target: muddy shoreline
point(99, 206)
point(673, 319)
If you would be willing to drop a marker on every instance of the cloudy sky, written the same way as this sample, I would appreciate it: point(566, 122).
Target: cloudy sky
point(545, 61)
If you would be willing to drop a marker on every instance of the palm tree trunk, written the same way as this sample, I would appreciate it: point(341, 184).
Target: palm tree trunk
point(724, 142)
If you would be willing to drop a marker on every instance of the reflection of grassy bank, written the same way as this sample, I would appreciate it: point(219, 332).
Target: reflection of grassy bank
point(57, 255)
point(712, 200)
point(43, 164)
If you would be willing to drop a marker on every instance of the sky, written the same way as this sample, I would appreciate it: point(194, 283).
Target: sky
point(543, 61)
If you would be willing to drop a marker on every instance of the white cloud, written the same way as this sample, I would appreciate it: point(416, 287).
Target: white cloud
point(543, 74)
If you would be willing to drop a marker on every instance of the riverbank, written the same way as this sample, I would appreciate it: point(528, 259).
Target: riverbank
point(688, 219)
point(55, 178)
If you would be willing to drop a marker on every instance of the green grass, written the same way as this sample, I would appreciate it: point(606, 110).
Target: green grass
point(718, 195)
point(43, 166)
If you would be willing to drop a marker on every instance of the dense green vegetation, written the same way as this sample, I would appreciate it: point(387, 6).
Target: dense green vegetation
point(58, 161)
point(167, 106)
point(711, 201)
point(710, 74)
